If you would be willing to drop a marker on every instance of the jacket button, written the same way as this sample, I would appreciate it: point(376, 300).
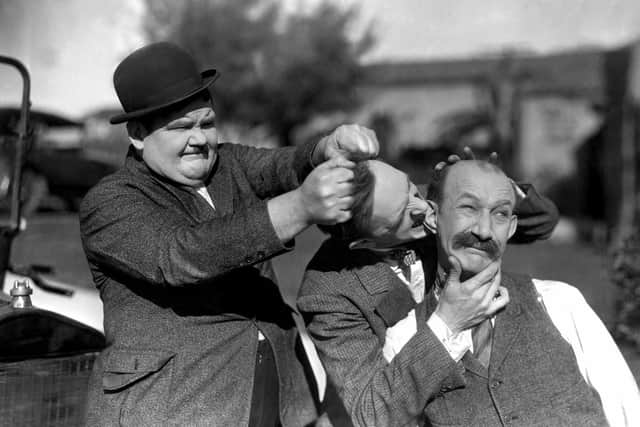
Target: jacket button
point(248, 260)
point(495, 384)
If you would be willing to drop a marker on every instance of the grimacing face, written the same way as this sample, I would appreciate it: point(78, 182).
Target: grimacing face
point(475, 217)
point(181, 145)
point(398, 208)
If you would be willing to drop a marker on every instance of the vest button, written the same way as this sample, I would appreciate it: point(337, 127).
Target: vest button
point(496, 384)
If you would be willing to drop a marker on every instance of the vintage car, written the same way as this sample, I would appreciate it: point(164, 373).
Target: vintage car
point(50, 332)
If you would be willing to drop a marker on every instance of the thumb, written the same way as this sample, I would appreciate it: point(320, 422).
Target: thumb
point(338, 162)
point(455, 270)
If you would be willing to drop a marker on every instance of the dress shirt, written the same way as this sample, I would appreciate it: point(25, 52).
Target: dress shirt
point(599, 359)
point(397, 336)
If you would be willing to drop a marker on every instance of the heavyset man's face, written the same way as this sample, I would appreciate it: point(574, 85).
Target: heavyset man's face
point(475, 216)
point(182, 145)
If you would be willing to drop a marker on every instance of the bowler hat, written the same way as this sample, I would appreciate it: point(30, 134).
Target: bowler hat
point(157, 76)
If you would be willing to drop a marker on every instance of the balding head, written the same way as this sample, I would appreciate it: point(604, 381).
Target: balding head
point(387, 211)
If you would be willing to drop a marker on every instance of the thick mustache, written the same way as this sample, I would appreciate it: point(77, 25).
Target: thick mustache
point(469, 240)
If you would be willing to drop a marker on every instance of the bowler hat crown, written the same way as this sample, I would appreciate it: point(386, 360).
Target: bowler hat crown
point(157, 76)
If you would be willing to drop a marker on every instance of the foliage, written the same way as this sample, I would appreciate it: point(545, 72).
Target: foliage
point(277, 68)
point(626, 275)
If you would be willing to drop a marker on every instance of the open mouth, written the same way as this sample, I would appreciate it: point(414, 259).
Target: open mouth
point(418, 221)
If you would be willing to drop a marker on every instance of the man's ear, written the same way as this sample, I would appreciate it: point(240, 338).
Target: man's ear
point(431, 218)
point(137, 134)
point(513, 225)
point(363, 243)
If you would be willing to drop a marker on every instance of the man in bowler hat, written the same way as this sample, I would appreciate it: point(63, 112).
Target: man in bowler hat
point(179, 242)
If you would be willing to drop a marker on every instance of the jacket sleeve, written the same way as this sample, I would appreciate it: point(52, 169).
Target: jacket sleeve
point(126, 229)
point(128, 233)
point(273, 171)
point(537, 216)
point(373, 391)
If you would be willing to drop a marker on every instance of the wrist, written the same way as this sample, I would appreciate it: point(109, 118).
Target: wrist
point(287, 215)
point(299, 208)
point(442, 314)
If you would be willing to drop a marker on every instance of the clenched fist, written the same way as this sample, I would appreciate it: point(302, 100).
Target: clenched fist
point(352, 142)
point(326, 193)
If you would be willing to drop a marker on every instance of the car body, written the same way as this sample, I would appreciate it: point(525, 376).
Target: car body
point(58, 169)
point(50, 332)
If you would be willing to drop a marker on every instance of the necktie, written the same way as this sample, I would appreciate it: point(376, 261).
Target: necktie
point(405, 258)
point(482, 337)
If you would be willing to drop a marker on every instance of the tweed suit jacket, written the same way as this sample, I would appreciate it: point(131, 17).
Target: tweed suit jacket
point(186, 290)
point(348, 299)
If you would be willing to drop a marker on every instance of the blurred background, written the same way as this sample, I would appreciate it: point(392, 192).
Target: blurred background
point(554, 87)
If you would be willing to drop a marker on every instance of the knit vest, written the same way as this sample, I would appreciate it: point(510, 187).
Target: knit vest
point(532, 379)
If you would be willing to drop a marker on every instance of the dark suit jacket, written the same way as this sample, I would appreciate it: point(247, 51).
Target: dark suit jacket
point(349, 298)
point(185, 293)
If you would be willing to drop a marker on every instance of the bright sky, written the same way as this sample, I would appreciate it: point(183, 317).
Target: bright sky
point(72, 47)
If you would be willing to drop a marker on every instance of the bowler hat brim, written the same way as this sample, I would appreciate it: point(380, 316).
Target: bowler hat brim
point(208, 77)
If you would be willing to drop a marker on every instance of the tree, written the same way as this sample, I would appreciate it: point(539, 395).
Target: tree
point(278, 69)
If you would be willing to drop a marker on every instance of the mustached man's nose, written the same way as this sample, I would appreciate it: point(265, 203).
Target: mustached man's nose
point(482, 227)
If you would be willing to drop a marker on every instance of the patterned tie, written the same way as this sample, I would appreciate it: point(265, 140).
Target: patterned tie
point(482, 336)
point(405, 258)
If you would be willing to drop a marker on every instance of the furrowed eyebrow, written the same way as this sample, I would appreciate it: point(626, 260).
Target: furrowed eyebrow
point(467, 195)
point(182, 121)
point(501, 203)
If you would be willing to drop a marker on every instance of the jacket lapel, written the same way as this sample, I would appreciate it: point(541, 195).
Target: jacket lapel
point(190, 200)
point(472, 364)
point(218, 187)
point(506, 330)
point(396, 301)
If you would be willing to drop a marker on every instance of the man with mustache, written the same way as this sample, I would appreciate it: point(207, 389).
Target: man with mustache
point(457, 341)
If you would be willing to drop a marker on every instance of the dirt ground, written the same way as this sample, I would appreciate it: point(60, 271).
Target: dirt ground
point(53, 240)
